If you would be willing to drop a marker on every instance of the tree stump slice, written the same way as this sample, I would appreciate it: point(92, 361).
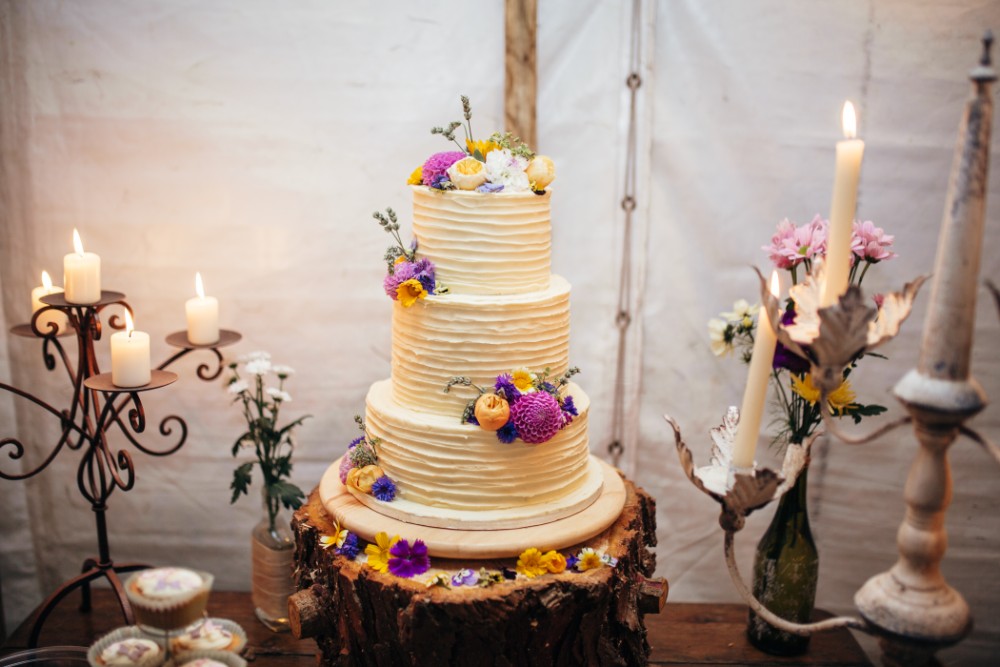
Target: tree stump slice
point(362, 617)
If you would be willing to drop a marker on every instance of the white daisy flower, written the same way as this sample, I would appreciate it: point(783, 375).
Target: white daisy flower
point(279, 395)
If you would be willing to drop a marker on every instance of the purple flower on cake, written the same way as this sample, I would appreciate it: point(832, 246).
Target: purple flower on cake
point(384, 489)
point(507, 433)
point(349, 549)
point(505, 385)
point(871, 243)
point(436, 167)
point(408, 561)
point(507, 169)
point(465, 578)
point(791, 245)
point(537, 416)
point(489, 188)
point(401, 272)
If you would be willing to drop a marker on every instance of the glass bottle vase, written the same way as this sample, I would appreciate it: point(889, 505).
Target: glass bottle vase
point(785, 573)
point(272, 551)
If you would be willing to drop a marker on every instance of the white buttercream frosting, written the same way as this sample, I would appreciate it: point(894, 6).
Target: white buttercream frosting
point(436, 460)
point(497, 243)
point(167, 582)
point(476, 336)
point(131, 651)
point(204, 635)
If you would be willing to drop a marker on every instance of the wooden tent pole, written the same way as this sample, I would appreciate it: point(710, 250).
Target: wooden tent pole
point(521, 77)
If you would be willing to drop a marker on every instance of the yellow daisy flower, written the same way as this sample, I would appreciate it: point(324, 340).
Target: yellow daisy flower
point(484, 147)
point(416, 177)
point(409, 291)
point(378, 553)
point(523, 379)
point(554, 562)
point(589, 560)
point(530, 563)
point(839, 399)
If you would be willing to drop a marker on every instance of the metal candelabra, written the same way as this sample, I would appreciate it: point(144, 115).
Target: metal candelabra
point(911, 608)
point(97, 406)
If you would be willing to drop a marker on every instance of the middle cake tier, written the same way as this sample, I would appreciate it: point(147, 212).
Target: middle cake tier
point(477, 336)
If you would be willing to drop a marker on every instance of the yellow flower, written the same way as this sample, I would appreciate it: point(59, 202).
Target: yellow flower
point(530, 563)
point(400, 259)
point(378, 553)
point(541, 172)
point(492, 412)
point(409, 291)
point(467, 174)
point(484, 147)
point(416, 177)
point(523, 379)
point(839, 399)
point(362, 479)
point(554, 562)
point(335, 539)
point(589, 560)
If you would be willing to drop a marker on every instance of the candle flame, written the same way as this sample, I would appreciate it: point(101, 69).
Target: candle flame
point(129, 325)
point(46, 281)
point(850, 120)
point(775, 285)
point(199, 286)
point(77, 243)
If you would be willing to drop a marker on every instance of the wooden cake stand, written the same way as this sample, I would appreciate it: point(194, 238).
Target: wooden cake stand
point(362, 617)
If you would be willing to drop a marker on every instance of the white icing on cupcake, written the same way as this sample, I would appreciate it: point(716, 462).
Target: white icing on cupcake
point(207, 635)
point(204, 662)
point(132, 651)
point(166, 582)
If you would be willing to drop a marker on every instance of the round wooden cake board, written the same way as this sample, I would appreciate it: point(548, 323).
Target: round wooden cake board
point(478, 543)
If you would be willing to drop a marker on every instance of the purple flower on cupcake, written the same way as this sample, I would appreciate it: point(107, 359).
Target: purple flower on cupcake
point(406, 560)
point(435, 169)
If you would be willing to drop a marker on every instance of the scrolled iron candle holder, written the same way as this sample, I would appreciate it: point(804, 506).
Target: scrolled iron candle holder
point(96, 407)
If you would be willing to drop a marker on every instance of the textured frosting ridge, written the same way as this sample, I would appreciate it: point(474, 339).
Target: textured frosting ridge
point(477, 336)
point(438, 461)
point(499, 243)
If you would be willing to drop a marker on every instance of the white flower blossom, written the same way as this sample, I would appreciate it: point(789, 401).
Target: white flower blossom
point(259, 355)
point(507, 169)
point(258, 366)
point(279, 395)
point(717, 337)
point(283, 371)
point(238, 387)
point(742, 313)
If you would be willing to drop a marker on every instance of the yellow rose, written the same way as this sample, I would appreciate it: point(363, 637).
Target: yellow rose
point(467, 174)
point(363, 478)
point(492, 412)
point(541, 172)
point(555, 562)
point(409, 291)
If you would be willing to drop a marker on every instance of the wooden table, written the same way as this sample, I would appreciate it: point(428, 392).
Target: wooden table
point(684, 634)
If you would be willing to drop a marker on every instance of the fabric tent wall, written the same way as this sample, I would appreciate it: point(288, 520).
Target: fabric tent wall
point(251, 141)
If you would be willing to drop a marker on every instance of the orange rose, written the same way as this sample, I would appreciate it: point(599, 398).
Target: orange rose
point(363, 478)
point(492, 412)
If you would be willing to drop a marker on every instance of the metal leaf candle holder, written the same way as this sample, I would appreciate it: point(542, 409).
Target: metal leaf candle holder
point(911, 608)
point(96, 408)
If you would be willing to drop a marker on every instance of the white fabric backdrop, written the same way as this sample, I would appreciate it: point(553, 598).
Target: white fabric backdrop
point(252, 140)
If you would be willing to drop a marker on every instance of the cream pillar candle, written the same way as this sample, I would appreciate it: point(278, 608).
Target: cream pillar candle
point(130, 365)
point(81, 274)
point(842, 209)
point(765, 341)
point(55, 316)
point(202, 316)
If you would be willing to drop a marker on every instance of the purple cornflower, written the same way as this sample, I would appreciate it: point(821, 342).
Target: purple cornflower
point(384, 489)
point(568, 406)
point(408, 561)
point(505, 384)
point(507, 433)
point(571, 562)
point(349, 549)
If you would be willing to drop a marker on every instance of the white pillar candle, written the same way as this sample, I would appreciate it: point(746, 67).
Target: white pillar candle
point(130, 365)
point(55, 316)
point(842, 209)
point(758, 376)
point(202, 316)
point(81, 274)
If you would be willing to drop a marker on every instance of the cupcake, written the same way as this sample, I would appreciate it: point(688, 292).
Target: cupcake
point(209, 659)
point(126, 646)
point(168, 598)
point(214, 634)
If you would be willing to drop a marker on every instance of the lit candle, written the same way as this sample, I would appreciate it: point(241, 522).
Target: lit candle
point(765, 341)
point(130, 357)
point(202, 316)
point(55, 316)
point(81, 274)
point(845, 200)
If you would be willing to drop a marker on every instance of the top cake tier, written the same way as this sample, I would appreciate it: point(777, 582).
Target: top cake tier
point(497, 243)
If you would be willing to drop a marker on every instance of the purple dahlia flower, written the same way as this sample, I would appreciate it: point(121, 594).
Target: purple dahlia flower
point(408, 561)
point(437, 165)
point(537, 417)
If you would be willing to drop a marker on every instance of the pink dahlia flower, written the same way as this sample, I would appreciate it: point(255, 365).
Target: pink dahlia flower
point(871, 243)
point(400, 274)
point(792, 245)
point(537, 417)
point(436, 166)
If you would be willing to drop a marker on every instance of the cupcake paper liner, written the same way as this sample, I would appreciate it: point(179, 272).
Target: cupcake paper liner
point(238, 634)
point(117, 635)
point(173, 613)
point(225, 657)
